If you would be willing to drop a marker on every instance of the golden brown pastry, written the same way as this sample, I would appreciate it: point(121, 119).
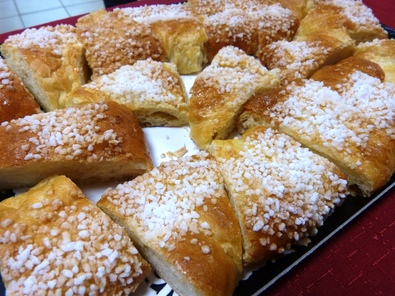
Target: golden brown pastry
point(180, 32)
point(336, 17)
point(298, 59)
point(334, 76)
point(90, 143)
point(221, 89)
point(153, 90)
point(49, 61)
point(281, 191)
point(54, 241)
point(112, 39)
point(15, 100)
point(352, 126)
point(180, 218)
point(248, 25)
point(381, 52)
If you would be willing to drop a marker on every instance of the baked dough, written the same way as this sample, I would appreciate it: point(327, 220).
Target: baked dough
point(54, 241)
point(180, 32)
point(221, 89)
point(112, 39)
point(334, 76)
point(49, 61)
point(336, 17)
point(352, 126)
point(180, 218)
point(153, 90)
point(248, 25)
point(298, 59)
point(15, 100)
point(281, 191)
point(381, 52)
point(90, 143)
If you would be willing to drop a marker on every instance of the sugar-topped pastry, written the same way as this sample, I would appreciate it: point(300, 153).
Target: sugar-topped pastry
point(112, 39)
point(54, 241)
point(381, 52)
point(248, 25)
point(298, 59)
point(153, 90)
point(90, 143)
point(50, 62)
point(281, 192)
point(352, 125)
point(180, 32)
point(221, 89)
point(335, 17)
point(180, 218)
point(15, 100)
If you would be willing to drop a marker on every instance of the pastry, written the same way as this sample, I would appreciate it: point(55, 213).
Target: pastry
point(248, 25)
point(112, 39)
point(91, 143)
point(180, 32)
point(156, 95)
point(281, 191)
point(336, 17)
point(54, 241)
point(180, 218)
point(49, 61)
point(298, 59)
point(381, 52)
point(352, 126)
point(335, 75)
point(15, 100)
point(221, 89)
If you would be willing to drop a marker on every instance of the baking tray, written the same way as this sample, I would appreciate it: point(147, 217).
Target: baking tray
point(163, 140)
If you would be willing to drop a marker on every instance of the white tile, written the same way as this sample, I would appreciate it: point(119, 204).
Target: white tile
point(29, 6)
point(77, 2)
point(11, 24)
point(38, 18)
point(85, 8)
point(7, 9)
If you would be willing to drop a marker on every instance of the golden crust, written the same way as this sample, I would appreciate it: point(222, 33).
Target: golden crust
point(341, 125)
point(221, 89)
point(49, 61)
point(381, 52)
point(281, 191)
point(248, 25)
point(334, 76)
point(337, 17)
point(112, 40)
point(15, 100)
point(180, 217)
point(90, 143)
point(157, 96)
point(300, 58)
point(53, 239)
point(179, 31)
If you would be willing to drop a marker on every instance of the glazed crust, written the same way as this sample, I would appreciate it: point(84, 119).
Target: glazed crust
point(156, 97)
point(104, 53)
point(15, 100)
point(197, 249)
point(49, 61)
point(91, 143)
point(263, 176)
point(53, 240)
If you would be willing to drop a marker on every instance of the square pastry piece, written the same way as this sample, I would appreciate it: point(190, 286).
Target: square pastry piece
point(180, 217)
point(54, 241)
point(280, 190)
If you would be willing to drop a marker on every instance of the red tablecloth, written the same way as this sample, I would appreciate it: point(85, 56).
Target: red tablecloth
point(358, 260)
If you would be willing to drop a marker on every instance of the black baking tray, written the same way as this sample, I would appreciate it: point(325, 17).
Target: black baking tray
point(260, 280)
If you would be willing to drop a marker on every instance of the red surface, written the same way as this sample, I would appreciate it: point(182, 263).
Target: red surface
point(360, 259)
